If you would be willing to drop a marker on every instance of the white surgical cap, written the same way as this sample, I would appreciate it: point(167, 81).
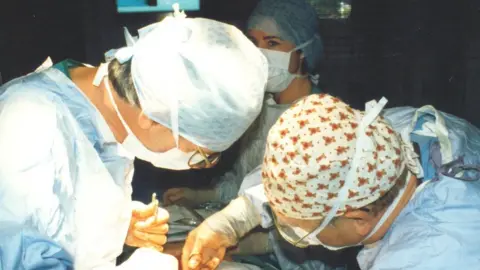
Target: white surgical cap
point(203, 73)
point(291, 20)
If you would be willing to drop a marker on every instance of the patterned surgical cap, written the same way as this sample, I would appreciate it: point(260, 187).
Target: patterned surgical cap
point(309, 153)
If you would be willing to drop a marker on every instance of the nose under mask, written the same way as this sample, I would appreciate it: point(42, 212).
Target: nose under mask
point(279, 76)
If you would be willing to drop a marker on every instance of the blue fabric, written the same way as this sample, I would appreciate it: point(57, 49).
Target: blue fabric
point(437, 230)
point(425, 143)
point(61, 170)
point(464, 137)
point(291, 20)
point(25, 249)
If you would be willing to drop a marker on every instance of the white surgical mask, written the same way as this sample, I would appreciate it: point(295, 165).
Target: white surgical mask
point(173, 159)
point(372, 111)
point(312, 238)
point(279, 78)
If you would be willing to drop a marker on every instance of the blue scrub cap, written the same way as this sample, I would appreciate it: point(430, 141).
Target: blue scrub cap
point(292, 20)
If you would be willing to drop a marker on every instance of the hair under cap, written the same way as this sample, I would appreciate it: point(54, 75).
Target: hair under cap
point(200, 77)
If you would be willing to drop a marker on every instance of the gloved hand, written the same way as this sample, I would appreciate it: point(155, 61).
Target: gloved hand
point(148, 226)
point(195, 197)
point(147, 258)
point(205, 248)
point(206, 245)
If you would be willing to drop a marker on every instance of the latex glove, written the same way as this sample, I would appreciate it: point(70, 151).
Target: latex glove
point(147, 258)
point(206, 245)
point(204, 248)
point(195, 197)
point(148, 226)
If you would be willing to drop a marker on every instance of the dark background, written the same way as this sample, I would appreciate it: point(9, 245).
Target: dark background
point(414, 52)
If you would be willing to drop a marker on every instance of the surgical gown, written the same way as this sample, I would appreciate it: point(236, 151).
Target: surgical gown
point(439, 229)
point(442, 219)
point(37, 251)
point(62, 172)
point(252, 147)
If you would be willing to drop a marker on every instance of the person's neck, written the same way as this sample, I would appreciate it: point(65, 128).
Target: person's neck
point(409, 191)
point(98, 95)
point(298, 88)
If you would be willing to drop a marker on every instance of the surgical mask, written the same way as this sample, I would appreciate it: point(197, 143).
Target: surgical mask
point(312, 238)
point(173, 159)
point(372, 111)
point(279, 78)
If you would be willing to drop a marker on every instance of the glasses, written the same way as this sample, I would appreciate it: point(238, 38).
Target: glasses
point(202, 160)
point(294, 236)
point(298, 236)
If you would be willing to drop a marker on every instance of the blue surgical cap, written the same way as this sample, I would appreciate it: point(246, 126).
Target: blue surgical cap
point(295, 21)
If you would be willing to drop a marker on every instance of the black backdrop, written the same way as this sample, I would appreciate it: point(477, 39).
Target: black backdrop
point(413, 52)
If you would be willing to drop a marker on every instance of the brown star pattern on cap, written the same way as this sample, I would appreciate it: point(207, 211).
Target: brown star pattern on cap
point(309, 155)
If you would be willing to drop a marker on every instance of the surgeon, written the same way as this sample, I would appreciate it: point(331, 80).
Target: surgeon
point(338, 177)
point(176, 96)
point(286, 31)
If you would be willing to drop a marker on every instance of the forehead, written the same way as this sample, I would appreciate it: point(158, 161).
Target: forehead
point(261, 35)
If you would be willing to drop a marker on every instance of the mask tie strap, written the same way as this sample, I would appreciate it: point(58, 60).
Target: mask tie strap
point(372, 110)
point(174, 105)
point(305, 44)
point(102, 72)
point(314, 78)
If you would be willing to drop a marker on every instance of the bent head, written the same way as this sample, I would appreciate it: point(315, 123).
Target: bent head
point(328, 175)
point(349, 229)
point(147, 139)
point(185, 102)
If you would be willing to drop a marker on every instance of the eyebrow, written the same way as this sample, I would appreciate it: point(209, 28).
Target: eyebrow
point(271, 37)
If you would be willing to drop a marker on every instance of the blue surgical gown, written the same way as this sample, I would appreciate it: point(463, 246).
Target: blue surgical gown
point(62, 173)
point(37, 251)
point(463, 137)
point(439, 229)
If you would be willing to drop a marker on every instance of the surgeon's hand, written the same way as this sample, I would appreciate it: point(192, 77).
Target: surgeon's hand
point(194, 197)
point(204, 248)
point(148, 226)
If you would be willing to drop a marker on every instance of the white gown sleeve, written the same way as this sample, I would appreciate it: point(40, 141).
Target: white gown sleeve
point(252, 148)
point(27, 169)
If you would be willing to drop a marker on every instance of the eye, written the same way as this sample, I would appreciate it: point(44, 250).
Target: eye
point(272, 43)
